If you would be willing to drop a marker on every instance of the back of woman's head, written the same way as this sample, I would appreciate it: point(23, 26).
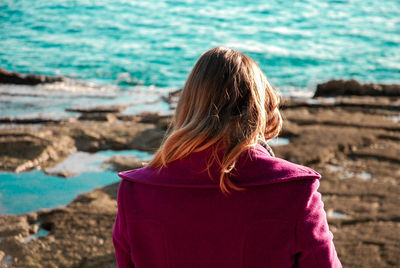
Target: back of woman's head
point(227, 102)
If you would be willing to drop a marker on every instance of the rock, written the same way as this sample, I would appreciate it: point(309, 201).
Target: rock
point(354, 144)
point(350, 87)
point(61, 173)
point(161, 121)
point(2, 256)
point(120, 163)
point(98, 109)
point(7, 77)
point(37, 120)
point(80, 234)
point(24, 149)
point(98, 117)
point(352, 141)
point(94, 136)
point(172, 98)
point(13, 226)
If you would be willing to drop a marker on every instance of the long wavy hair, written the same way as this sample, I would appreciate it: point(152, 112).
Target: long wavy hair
point(227, 102)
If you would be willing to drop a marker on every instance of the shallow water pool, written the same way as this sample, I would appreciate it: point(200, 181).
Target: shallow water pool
point(34, 190)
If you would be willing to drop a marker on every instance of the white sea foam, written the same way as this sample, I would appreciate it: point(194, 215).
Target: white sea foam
point(289, 31)
point(71, 85)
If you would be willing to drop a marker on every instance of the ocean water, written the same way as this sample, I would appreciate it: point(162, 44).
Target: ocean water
point(131, 52)
point(34, 190)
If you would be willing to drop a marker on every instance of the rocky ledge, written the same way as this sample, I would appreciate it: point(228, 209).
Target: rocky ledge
point(7, 77)
point(353, 141)
point(352, 87)
point(25, 147)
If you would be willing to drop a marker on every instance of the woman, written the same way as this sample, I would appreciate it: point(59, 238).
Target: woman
point(213, 196)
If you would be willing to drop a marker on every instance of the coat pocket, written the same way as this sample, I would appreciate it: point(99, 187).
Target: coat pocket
point(268, 243)
point(147, 241)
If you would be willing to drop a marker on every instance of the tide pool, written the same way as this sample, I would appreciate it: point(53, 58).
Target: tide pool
point(34, 190)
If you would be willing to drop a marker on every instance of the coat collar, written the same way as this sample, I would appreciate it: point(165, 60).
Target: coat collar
point(256, 168)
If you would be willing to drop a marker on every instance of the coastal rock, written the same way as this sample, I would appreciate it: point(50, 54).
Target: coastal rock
point(7, 77)
point(36, 120)
point(98, 109)
point(354, 147)
point(161, 121)
point(61, 173)
point(91, 136)
point(350, 87)
point(13, 226)
point(79, 235)
point(99, 113)
point(172, 98)
point(120, 163)
point(98, 117)
point(23, 149)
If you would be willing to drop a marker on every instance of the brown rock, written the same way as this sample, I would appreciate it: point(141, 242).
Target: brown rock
point(354, 147)
point(7, 77)
point(98, 117)
point(98, 109)
point(95, 136)
point(60, 173)
point(13, 226)
point(350, 87)
point(24, 149)
point(120, 163)
point(71, 243)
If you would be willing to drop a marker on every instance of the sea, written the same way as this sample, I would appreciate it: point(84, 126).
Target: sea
point(130, 52)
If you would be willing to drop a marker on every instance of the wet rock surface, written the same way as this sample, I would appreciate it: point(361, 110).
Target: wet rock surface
point(78, 235)
point(24, 147)
point(124, 162)
point(355, 147)
point(7, 77)
point(353, 87)
point(99, 109)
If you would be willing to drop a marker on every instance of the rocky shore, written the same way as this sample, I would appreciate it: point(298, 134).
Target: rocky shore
point(7, 77)
point(353, 140)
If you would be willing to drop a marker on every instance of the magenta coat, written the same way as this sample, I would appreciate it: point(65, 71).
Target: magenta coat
point(177, 217)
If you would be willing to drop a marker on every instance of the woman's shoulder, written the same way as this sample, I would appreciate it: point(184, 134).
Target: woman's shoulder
point(260, 167)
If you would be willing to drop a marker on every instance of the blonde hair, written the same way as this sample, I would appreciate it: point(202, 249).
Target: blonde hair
point(226, 101)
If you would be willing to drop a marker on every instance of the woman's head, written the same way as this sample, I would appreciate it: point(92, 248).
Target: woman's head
point(226, 101)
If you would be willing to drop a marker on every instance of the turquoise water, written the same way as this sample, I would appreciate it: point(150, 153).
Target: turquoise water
point(34, 190)
point(127, 43)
